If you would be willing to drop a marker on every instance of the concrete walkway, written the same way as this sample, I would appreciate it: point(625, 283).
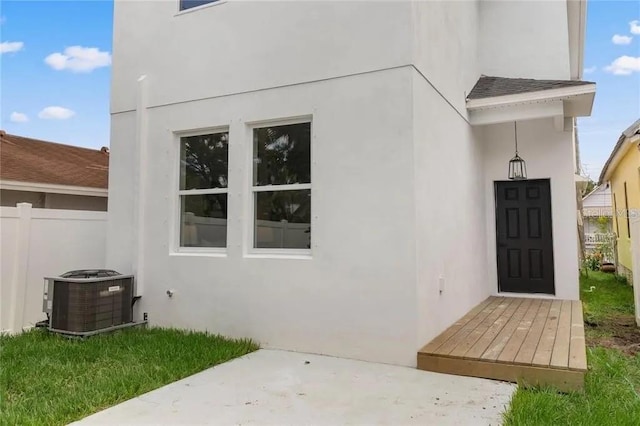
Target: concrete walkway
point(270, 387)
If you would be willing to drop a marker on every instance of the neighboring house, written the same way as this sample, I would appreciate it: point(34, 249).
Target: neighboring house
point(332, 177)
point(597, 212)
point(622, 173)
point(51, 175)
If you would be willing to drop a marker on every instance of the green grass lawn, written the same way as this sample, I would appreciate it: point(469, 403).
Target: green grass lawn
point(46, 379)
point(612, 388)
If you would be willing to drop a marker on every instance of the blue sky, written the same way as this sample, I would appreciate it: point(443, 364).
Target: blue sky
point(617, 103)
point(30, 85)
point(75, 39)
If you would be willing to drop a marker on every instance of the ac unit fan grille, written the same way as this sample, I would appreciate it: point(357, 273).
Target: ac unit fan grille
point(90, 306)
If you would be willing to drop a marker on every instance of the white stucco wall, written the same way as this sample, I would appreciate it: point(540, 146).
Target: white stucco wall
point(450, 233)
point(450, 218)
point(355, 297)
point(446, 39)
point(549, 155)
point(524, 39)
point(237, 46)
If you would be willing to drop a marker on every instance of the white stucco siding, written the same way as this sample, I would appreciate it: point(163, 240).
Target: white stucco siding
point(123, 167)
point(524, 39)
point(549, 155)
point(450, 217)
point(355, 296)
point(238, 46)
point(445, 46)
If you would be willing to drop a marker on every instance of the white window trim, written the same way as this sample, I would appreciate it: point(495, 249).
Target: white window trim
point(264, 253)
point(175, 248)
point(197, 8)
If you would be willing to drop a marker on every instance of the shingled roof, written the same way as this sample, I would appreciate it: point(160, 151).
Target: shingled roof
point(631, 131)
point(32, 160)
point(488, 87)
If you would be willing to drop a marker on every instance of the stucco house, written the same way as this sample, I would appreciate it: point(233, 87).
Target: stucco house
point(622, 173)
point(334, 177)
point(52, 175)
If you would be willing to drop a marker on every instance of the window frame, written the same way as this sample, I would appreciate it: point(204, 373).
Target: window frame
point(252, 190)
point(176, 247)
point(180, 10)
point(615, 214)
point(626, 211)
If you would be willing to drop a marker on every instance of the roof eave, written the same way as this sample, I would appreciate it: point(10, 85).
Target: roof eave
point(15, 185)
point(631, 135)
point(619, 151)
point(564, 93)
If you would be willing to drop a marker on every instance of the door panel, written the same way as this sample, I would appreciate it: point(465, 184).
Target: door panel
point(524, 236)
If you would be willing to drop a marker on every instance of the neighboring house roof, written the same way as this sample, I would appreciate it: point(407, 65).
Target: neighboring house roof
point(488, 87)
point(618, 152)
point(36, 161)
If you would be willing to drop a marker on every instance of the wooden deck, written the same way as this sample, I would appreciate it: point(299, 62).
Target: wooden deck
point(531, 341)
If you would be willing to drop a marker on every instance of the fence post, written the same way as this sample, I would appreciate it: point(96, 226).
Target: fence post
point(19, 281)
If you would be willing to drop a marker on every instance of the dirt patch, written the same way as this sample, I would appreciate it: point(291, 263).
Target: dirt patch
point(617, 332)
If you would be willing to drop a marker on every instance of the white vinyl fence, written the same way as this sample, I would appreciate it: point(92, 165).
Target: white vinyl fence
point(42, 242)
point(635, 264)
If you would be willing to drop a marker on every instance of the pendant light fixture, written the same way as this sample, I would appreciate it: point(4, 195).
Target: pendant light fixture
point(517, 166)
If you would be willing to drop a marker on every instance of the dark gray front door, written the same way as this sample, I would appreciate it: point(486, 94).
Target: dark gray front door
point(524, 237)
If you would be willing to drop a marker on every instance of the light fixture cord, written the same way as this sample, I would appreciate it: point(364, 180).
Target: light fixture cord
point(515, 130)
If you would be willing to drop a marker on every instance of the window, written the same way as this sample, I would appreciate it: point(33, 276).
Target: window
point(203, 190)
point(626, 211)
point(189, 4)
point(615, 214)
point(282, 186)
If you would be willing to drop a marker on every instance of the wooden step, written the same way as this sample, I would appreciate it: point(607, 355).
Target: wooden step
point(525, 340)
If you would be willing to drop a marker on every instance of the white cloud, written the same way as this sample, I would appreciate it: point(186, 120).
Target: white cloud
point(634, 27)
point(79, 59)
point(56, 113)
point(621, 39)
point(624, 65)
point(590, 70)
point(18, 117)
point(11, 46)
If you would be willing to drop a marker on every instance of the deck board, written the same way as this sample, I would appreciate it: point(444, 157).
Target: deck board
point(483, 343)
point(514, 344)
point(542, 357)
point(464, 343)
point(499, 343)
point(449, 332)
point(536, 341)
point(530, 344)
point(577, 349)
point(492, 309)
point(560, 354)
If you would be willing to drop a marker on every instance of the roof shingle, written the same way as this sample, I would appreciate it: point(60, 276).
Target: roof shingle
point(632, 130)
point(488, 87)
point(32, 160)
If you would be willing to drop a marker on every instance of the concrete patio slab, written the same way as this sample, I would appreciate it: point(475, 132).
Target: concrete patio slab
point(278, 387)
